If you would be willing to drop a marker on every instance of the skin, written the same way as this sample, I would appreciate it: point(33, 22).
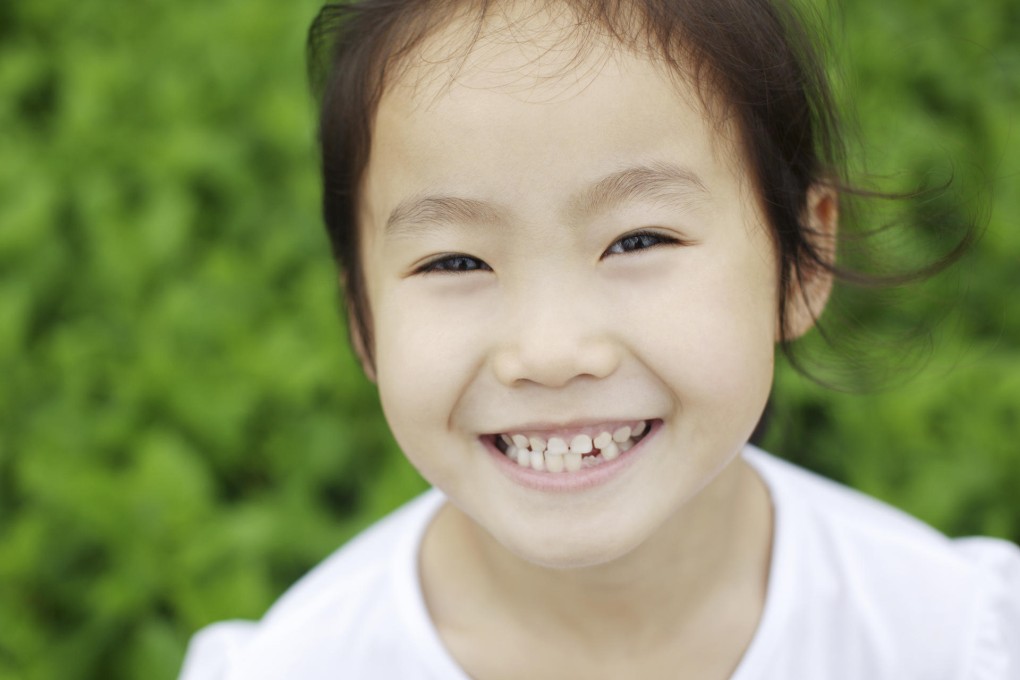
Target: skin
point(663, 568)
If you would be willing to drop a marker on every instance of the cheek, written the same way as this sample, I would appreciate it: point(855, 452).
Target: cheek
point(710, 331)
point(428, 347)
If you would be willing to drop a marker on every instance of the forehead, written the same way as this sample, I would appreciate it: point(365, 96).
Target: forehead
point(538, 50)
point(524, 94)
point(517, 47)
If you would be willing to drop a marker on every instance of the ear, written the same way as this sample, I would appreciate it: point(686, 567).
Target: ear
point(358, 343)
point(812, 283)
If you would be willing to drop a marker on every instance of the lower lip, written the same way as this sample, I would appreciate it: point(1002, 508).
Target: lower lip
point(566, 482)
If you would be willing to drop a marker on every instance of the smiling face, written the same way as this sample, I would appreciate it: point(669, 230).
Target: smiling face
point(555, 249)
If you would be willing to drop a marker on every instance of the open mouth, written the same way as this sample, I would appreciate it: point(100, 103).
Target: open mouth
point(570, 452)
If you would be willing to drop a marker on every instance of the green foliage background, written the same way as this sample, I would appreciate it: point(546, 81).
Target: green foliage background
point(183, 431)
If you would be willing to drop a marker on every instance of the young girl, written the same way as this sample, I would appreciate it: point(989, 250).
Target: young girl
point(572, 235)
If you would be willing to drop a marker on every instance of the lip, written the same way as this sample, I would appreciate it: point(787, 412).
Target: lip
point(567, 482)
point(591, 427)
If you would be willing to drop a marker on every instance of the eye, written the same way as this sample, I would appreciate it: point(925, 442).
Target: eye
point(452, 264)
point(640, 240)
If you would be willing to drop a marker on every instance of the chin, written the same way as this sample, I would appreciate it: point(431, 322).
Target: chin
point(580, 547)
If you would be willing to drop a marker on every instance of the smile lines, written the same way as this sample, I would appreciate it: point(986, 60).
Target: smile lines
point(583, 450)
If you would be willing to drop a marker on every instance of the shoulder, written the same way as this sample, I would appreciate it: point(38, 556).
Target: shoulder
point(363, 588)
point(868, 582)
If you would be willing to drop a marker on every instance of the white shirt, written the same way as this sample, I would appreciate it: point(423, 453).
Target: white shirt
point(857, 590)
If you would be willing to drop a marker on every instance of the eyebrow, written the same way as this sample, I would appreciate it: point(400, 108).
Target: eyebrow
point(655, 182)
point(422, 212)
point(658, 181)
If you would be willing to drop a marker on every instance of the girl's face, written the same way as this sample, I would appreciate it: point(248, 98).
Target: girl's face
point(553, 249)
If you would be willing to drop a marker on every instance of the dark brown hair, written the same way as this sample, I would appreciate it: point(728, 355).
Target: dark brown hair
point(753, 62)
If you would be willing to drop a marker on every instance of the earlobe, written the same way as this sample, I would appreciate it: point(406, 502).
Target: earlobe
point(812, 280)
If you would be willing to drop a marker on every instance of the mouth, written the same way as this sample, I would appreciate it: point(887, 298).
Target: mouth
point(563, 451)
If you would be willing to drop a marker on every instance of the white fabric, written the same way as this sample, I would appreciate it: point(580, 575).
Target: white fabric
point(857, 591)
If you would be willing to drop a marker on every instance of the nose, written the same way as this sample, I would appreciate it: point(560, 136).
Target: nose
point(558, 337)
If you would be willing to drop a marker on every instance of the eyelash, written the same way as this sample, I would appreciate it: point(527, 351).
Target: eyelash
point(643, 238)
point(453, 264)
point(460, 263)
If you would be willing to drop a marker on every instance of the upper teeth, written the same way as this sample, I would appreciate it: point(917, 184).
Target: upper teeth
point(582, 443)
point(557, 445)
point(557, 455)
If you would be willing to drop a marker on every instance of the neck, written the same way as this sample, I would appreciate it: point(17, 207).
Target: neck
point(709, 558)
